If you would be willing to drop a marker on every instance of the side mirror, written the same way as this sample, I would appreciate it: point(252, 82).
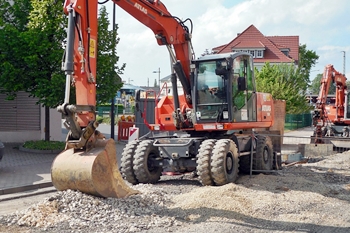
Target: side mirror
point(241, 84)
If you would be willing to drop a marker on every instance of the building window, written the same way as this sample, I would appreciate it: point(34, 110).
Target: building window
point(254, 53)
point(259, 54)
point(285, 52)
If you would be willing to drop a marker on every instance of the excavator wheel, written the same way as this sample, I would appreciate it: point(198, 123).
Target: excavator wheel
point(263, 159)
point(224, 162)
point(144, 168)
point(127, 162)
point(93, 172)
point(203, 162)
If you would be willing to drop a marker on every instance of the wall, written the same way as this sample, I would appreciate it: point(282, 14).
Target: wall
point(55, 125)
point(27, 135)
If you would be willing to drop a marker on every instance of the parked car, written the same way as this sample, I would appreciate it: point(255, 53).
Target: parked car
point(2, 149)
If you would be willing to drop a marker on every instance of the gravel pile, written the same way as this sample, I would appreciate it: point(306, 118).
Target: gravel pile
point(73, 210)
point(312, 197)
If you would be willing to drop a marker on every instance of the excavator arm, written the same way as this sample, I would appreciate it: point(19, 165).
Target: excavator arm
point(89, 163)
point(81, 53)
point(330, 75)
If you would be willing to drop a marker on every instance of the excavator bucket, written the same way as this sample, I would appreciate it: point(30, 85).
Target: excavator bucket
point(94, 172)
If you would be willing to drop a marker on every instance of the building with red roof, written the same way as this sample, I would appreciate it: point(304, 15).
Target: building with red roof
point(273, 49)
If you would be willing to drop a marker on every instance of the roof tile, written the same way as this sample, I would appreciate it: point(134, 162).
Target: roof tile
point(253, 38)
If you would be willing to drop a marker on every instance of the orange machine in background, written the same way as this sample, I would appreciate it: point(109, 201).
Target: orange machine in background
point(332, 119)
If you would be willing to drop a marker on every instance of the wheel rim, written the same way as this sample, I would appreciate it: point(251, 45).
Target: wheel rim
point(266, 155)
point(229, 163)
point(150, 159)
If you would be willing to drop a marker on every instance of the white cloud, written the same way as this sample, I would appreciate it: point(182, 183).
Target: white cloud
point(320, 24)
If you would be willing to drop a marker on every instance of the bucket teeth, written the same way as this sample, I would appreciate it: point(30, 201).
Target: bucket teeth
point(94, 172)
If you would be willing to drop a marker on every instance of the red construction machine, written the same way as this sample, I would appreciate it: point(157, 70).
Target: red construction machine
point(332, 120)
point(213, 131)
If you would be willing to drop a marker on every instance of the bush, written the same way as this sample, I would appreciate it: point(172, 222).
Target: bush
point(106, 120)
point(44, 145)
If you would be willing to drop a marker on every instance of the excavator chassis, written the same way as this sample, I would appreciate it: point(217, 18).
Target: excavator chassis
point(216, 161)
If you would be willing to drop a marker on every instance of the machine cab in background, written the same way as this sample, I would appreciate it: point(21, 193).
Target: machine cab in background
point(224, 88)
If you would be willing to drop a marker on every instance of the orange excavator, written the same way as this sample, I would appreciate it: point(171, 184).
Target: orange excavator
point(213, 122)
point(332, 120)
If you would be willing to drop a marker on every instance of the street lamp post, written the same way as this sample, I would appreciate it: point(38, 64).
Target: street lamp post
point(343, 62)
point(158, 76)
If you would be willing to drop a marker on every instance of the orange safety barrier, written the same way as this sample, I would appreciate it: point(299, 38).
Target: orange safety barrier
point(123, 130)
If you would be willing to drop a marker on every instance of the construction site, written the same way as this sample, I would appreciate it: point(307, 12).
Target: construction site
point(308, 194)
point(209, 151)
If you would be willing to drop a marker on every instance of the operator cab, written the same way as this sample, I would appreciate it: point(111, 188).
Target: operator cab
point(224, 87)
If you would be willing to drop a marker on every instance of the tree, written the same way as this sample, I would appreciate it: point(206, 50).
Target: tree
point(307, 59)
point(284, 83)
point(31, 52)
point(288, 82)
point(206, 52)
point(15, 14)
point(316, 84)
point(155, 83)
point(108, 79)
point(45, 35)
point(13, 46)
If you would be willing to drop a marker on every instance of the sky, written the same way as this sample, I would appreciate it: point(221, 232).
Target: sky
point(322, 25)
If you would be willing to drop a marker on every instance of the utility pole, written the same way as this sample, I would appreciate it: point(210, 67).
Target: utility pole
point(113, 99)
point(343, 62)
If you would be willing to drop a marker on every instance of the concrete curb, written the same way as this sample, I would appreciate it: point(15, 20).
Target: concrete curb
point(21, 148)
point(24, 194)
point(25, 188)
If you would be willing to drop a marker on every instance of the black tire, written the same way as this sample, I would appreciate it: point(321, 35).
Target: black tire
point(224, 162)
point(263, 159)
point(127, 164)
point(244, 164)
point(203, 162)
point(145, 171)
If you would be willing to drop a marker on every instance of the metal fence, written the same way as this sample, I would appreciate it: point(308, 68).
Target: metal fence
point(299, 144)
point(297, 121)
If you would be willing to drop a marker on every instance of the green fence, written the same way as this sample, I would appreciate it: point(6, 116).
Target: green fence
point(296, 121)
point(103, 111)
